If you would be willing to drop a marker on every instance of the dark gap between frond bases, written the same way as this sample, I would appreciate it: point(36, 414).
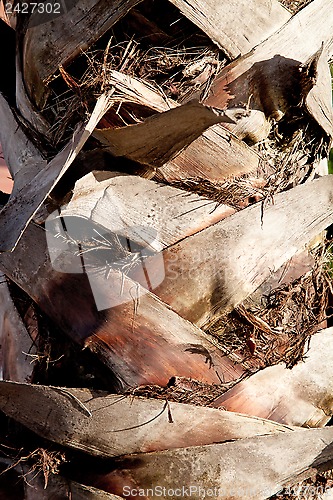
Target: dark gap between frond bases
point(7, 57)
point(153, 42)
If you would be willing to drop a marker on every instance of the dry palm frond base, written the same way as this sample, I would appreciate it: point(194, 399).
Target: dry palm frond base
point(259, 335)
point(182, 390)
point(179, 61)
point(288, 156)
point(160, 47)
point(56, 359)
point(283, 165)
point(178, 64)
point(277, 329)
point(255, 335)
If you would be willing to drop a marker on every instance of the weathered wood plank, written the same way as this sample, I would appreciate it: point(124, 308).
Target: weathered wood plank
point(211, 272)
point(300, 396)
point(48, 45)
point(35, 181)
point(254, 468)
point(109, 425)
point(235, 26)
point(261, 74)
point(155, 215)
